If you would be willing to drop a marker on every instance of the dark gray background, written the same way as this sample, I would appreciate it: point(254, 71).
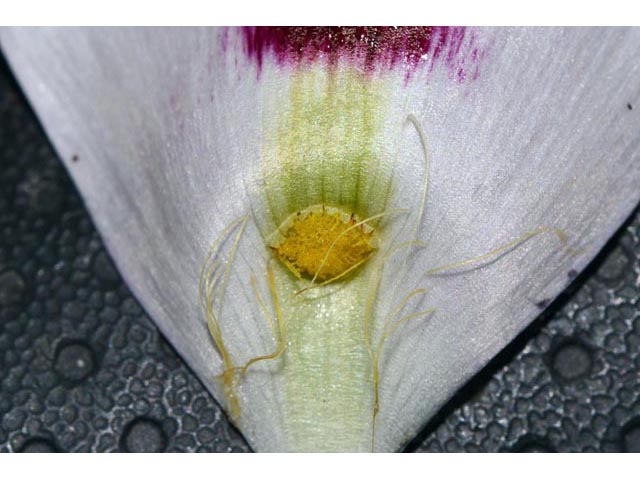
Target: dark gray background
point(82, 367)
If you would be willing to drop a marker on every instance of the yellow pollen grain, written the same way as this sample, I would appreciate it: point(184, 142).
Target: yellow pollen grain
point(323, 243)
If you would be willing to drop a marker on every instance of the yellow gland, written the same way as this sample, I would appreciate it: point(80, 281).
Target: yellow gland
point(324, 243)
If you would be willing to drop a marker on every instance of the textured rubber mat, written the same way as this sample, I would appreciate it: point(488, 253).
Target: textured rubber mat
point(82, 367)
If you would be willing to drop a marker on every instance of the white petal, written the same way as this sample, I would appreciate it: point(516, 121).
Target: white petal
point(167, 132)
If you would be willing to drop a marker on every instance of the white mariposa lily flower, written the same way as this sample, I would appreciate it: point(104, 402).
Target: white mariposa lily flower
point(336, 228)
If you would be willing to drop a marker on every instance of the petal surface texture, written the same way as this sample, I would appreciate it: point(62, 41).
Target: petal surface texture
point(178, 137)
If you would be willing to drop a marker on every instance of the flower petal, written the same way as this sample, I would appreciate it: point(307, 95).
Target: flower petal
point(173, 128)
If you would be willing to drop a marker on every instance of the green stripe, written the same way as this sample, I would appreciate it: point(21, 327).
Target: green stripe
point(323, 146)
point(320, 147)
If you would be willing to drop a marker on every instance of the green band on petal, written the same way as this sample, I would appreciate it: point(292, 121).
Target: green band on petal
point(321, 148)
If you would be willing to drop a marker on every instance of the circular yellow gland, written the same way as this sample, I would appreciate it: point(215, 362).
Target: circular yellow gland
point(324, 243)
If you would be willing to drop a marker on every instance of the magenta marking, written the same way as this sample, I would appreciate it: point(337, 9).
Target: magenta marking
point(368, 48)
